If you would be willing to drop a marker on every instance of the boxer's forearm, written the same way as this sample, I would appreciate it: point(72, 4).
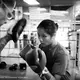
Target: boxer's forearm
point(4, 41)
point(47, 75)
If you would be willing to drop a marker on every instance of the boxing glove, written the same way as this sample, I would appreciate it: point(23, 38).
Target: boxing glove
point(17, 29)
point(22, 66)
point(35, 58)
point(13, 67)
point(3, 65)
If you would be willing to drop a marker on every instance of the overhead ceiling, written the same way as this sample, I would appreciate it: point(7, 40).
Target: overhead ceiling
point(49, 2)
point(54, 4)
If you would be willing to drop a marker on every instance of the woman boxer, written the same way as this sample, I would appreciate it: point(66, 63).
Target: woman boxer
point(51, 58)
point(56, 54)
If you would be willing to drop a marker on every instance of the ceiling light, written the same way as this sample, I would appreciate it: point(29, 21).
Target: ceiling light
point(59, 13)
point(41, 9)
point(31, 2)
point(59, 20)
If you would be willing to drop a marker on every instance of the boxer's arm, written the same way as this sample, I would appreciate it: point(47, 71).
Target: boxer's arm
point(4, 41)
point(47, 75)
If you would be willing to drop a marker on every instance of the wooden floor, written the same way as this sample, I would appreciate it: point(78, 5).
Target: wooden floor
point(28, 74)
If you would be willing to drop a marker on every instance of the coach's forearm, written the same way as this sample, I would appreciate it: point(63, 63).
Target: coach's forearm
point(4, 41)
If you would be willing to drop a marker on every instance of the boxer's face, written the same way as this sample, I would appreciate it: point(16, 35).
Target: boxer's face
point(45, 39)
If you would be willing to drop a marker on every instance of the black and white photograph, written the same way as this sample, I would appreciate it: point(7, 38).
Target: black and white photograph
point(39, 39)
